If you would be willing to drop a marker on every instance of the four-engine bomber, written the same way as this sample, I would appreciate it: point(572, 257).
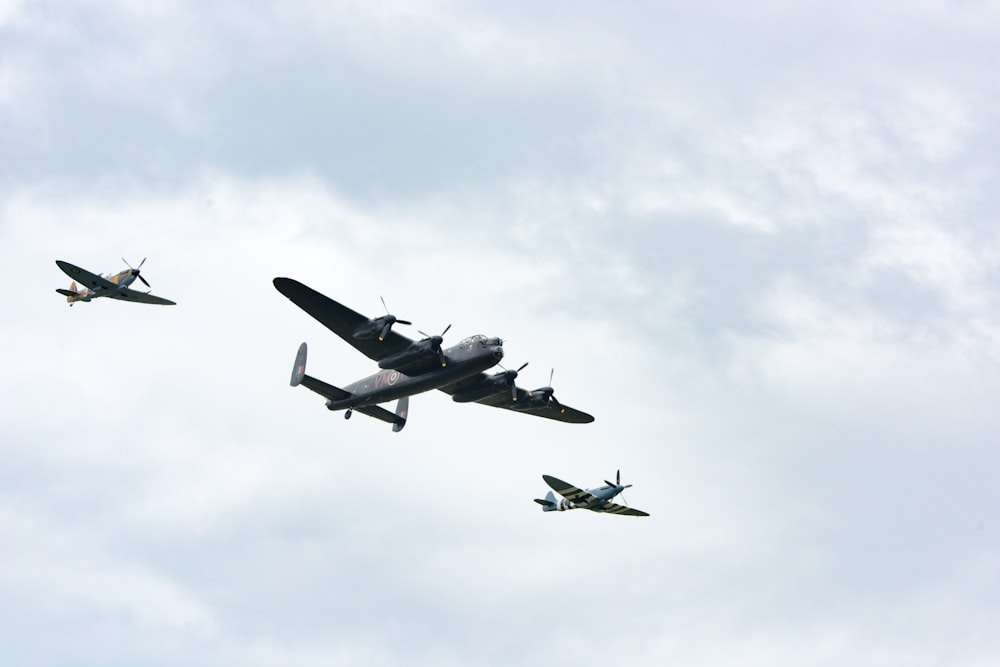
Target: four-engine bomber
point(410, 367)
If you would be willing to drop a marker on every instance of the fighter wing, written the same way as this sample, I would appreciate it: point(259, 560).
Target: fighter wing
point(84, 277)
point(500, 397)
point(126, 294)
point(578, 497)
point(612, 508)
point(340, 319)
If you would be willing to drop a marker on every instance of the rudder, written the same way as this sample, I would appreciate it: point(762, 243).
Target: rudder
point(549, 504)
point(299, 369)
point(402, 411)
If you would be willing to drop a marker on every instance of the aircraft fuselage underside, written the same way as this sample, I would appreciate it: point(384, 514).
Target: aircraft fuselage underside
point(463, 360)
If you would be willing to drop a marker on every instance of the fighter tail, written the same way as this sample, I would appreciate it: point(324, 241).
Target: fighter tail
point(549, 504)
point(72, 294)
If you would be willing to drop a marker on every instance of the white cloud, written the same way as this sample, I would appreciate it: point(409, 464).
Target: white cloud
point(755, 244)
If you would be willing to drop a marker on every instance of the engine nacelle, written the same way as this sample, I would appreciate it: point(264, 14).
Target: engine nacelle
point(415, 353)
point(369, 329)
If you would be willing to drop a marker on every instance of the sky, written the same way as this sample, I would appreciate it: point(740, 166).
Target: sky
point(758, 242)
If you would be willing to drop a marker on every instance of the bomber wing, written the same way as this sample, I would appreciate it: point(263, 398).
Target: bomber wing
point(612, 508)
point(577, 496)
point(340, 319)
point(501, 397)
point(126, 294)
point(549, 410)
point(85, 277)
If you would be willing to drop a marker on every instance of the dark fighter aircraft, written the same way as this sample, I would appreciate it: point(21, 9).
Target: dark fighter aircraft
point(595, 500)
point(115, 287)
point(410, 367)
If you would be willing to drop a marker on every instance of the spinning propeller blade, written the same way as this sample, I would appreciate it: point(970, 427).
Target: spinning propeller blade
point(389, 320)
point(547, 393)
point(509, 377)
point(135, 271)
point(620, 487)
point(435, 342)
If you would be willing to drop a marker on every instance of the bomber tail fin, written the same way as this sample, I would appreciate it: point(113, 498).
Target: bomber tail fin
point(299, 369)
point(549, 504)
point(402, 411)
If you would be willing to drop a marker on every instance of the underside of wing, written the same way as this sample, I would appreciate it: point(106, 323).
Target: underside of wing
point(127, 294)
point(498, 395)
point(527, 405)
point(340, 319)
point(85, 277)
point(612, 508)
point(571, 493)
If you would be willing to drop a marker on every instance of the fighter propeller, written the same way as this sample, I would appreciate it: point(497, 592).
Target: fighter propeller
point(135, 271)
point(618, 485)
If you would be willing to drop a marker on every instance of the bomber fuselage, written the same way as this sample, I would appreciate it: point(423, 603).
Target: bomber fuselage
point(471, 356)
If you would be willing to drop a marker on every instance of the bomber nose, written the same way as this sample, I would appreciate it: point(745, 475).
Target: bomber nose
point(498, 353)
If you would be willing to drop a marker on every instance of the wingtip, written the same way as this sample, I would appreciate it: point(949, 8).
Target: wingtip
point(286, 285)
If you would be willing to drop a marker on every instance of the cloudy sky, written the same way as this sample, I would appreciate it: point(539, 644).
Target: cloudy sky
point(758, 242)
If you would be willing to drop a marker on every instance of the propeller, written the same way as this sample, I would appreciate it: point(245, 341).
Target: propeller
point(509, 377)
point(547, 393)
point(135, 271)
point(435, 343)
point(618, 484)
point(388, 319)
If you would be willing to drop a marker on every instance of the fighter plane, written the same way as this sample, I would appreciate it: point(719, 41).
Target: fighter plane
point(115, 287)
point(595, 500)
point(411, 367)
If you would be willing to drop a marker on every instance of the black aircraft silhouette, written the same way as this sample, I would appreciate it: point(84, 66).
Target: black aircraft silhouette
point(411, 367)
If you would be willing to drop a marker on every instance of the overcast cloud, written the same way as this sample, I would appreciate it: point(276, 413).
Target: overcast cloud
point(758, 242)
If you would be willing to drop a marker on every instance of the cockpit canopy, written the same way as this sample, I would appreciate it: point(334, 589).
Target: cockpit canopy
point(481, 340)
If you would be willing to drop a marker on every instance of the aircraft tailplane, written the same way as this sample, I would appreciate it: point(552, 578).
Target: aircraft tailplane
point(71, 294)
point(549, 504)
